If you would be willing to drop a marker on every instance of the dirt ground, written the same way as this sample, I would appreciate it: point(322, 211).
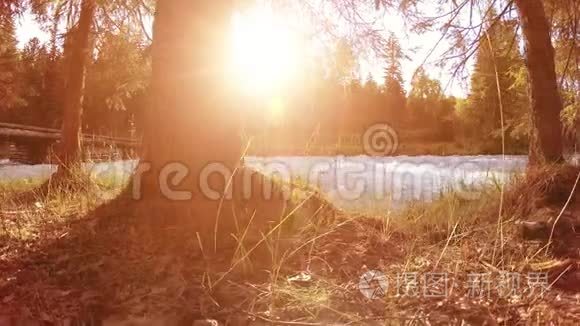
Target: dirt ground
point(450, 262)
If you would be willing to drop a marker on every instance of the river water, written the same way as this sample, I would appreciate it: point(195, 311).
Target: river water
point(352, 183)
point(378, 183)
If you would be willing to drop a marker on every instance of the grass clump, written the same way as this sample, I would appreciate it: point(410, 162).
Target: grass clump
point(542, 187)
point(30, 205)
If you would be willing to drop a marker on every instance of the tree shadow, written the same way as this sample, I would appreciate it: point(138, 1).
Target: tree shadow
point(123, 259)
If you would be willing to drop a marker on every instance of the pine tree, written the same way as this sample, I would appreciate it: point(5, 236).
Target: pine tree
point(9, 66)
point(77, 54)
point(394, 91)
point(499, 53)
point(424, 99)
point(41, 78)
point(371, 85)
point(345, 64)
point(370, 102)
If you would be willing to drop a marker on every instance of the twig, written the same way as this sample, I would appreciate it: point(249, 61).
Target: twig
point(282, 321)
point(562, 212)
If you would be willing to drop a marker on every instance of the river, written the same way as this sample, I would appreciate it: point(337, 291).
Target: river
point(352, 183)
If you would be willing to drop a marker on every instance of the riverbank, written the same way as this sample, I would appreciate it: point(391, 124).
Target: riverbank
point(415, 148)
point(448, 261)
point(356, 184)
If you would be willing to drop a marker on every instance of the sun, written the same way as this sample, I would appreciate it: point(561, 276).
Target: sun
point(265, 54)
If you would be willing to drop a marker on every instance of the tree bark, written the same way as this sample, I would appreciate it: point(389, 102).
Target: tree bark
point(189, 121)
point(77, 57)
point(193, 124)
point(546, 104)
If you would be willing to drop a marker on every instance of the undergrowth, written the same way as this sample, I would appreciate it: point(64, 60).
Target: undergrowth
point(28, 206)
point(66, 264)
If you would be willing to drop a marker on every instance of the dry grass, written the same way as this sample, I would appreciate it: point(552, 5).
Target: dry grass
point(66, 264)
point(544, 187)
point(30, 206)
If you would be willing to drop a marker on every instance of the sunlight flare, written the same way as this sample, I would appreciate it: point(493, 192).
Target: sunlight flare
point(265, 52)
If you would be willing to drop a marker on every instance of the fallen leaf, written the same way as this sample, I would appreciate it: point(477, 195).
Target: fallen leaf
point(302, 278)
point(7, 299)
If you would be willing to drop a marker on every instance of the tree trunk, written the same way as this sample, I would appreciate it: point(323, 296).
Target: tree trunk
point(192, 126)
point(189, 121)
point(546, 133)
point(77, 57)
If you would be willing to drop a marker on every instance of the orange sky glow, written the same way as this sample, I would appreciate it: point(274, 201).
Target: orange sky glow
point(269, 51)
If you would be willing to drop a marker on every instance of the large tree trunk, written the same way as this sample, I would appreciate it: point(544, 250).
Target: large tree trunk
point(546, 134)
point(189, 121)
point(78, 54)
point(193, 126)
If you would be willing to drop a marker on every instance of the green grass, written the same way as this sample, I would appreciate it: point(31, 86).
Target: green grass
point(9, 188)
point(30, 205)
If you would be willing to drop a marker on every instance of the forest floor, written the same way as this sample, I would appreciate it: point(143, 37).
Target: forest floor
point(448, 262)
